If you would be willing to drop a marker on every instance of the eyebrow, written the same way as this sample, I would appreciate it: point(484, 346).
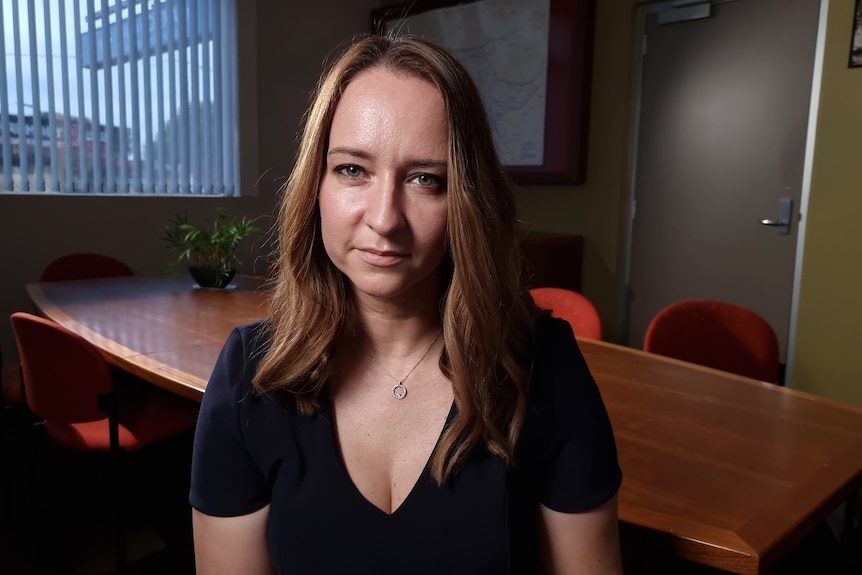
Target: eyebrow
point(430, 164)
point(357, 153)
point(348, 151)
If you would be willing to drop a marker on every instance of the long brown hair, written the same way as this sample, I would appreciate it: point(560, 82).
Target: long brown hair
point(486, 311)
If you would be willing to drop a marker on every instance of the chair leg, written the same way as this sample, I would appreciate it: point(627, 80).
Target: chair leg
point(851, 509)
point(119, 516)
point(116, 479)
point(35, 497)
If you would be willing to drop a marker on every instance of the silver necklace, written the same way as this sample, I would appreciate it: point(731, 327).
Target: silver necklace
point(399, 391)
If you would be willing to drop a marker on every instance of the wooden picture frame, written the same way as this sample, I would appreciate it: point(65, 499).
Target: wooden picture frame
point(855, 59)
point(567, 92)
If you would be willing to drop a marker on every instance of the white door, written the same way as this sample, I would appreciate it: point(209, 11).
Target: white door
point(723, 116)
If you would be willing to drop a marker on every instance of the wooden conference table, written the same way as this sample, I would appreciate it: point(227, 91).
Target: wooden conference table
point(718, 469)
point(163, 330)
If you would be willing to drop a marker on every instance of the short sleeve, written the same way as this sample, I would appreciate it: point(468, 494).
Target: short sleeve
point(225, 480)
point(576, 460)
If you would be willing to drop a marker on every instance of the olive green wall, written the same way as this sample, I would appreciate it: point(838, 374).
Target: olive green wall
point(829, 330)
point(595, 209)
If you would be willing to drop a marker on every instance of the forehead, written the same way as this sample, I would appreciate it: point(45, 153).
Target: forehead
point(380, 88)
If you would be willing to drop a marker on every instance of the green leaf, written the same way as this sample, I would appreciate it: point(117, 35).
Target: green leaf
point(216, 248)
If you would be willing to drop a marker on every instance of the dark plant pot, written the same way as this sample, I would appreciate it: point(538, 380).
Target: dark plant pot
point(211, 277)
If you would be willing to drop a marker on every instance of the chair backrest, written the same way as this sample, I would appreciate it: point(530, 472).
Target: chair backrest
point(64, 374)
point(716, 334)
point(82, 266)
point(571, 306)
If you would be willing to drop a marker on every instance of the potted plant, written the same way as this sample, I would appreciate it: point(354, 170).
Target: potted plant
point(212, 253)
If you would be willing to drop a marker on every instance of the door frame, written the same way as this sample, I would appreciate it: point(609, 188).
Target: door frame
point(642, 12)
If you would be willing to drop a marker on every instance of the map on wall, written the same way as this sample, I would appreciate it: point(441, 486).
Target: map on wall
point(532, 63)
point(504, 46)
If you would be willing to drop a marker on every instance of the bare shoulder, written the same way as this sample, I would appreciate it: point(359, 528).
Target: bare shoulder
point(227, 545)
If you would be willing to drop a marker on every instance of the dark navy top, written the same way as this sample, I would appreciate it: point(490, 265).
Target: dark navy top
point(250, 450)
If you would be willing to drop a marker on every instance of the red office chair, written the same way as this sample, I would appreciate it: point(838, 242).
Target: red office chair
point(82, 266)
point(71, 387)
point(571, 306)
point(73, 266)
point(716, 334)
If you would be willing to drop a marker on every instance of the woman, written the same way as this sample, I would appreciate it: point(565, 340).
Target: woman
point(405, 409)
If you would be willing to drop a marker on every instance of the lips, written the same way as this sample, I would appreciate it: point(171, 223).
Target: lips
point(382, 258)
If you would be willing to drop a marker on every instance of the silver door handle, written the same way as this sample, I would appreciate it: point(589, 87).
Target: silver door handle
point(785, 213)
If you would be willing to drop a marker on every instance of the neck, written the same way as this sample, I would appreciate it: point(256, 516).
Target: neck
point(392, 331)
point(396, 340)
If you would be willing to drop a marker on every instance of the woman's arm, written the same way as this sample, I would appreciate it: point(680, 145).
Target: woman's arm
point(231, 545)
point(581, 543)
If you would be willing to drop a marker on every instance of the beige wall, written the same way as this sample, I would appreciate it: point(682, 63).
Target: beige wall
point(34, 229)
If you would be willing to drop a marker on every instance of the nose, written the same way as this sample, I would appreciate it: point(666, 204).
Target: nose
point(384, 212)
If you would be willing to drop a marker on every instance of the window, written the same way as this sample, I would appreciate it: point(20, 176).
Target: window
point(119, 97)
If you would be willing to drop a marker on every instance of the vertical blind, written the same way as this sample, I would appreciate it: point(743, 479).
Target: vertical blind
point(119, 97)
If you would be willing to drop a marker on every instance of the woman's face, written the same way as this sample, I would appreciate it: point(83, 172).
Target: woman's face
point(383, 193)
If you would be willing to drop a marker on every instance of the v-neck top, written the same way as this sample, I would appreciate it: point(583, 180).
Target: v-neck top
point(252, 450)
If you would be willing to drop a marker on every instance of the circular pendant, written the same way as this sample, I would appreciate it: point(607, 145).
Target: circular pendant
point(399, 391)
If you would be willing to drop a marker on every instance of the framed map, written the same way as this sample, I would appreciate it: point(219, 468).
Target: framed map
point(531, 60)
point(856, 37)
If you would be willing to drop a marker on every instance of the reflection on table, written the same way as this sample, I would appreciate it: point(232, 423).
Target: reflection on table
point(165, 331)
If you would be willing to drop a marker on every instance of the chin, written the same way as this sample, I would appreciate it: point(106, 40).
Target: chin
point(389, 288)
point(380, 291)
